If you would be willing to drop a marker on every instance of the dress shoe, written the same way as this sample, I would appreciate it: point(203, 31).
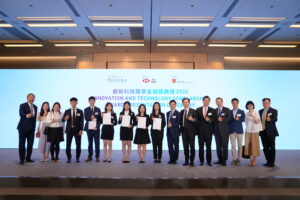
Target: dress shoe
point(155, 161)
point(22, 162)
point(201, 163)
point(218, 162)
point(29, 161)
point(174, 162)
point(238, 163)
point(185, 164)
point(170, 162)
point(266, 164)
point(77, 160)
point(69, 161)
point(271, 165)
point(97, 160)
point(88, 159)
point(158, 161)
point(209, 164)
point(191, 163)
point(224, 163)
point(233, 162)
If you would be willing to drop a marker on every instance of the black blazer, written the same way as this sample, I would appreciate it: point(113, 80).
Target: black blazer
point(205, 127)
point(132, 118)
point(271, 128)
point(78, 120)
point(163, 120)
point(223, 126)
point(27, 124)
point(190, 126)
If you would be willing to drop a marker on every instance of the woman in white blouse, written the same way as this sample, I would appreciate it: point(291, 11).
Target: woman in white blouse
point(253, 126)
point(44, 145)
point(55, 132)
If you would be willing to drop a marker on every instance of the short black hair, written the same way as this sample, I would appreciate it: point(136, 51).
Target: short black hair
point(250, 103)
point(92, 98)
point(172, 101)
point(30, 95)
point(235, 99)
point(73, 99)
point(185, 99)
point(206, 97)
point(219, 98)
point(264, 99)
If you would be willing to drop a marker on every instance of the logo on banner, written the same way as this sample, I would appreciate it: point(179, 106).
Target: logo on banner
point(174, 79)
point(116, 79)
point(146, 79)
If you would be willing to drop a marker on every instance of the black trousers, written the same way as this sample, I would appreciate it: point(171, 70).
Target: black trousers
point(94, 136)
point(268, 143)
point(54, 147)
point(73, 133)
point(205, 138)
point(188, 140)
point(157, 142)
point(173, 145)
point(222, 140)
point(25, 152)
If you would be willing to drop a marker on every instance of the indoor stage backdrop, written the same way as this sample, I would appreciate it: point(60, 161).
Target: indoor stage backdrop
point(149, 86)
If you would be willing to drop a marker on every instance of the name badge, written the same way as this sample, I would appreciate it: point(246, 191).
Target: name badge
point(78, 114)
point(223, 114)
point(159, 116)
point(112, 117)
point(209, 114)
point(269, 114)
point(96, 113)
point(238, 115)
point(174, 117)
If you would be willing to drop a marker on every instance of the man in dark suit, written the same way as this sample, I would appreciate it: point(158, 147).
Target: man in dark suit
point(188, 128)
point(26, 128)
point(74, 118)
point(221, 131)
point(268, 117)
point(205, 118)
point(173, 132)
point(92, 114)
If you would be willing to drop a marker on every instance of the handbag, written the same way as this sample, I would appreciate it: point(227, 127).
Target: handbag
point(244, 155)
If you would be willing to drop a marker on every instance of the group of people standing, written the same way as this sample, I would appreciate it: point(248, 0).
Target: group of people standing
point(203, 122)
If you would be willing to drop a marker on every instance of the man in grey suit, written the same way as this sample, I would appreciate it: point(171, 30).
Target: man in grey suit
point(221, 131)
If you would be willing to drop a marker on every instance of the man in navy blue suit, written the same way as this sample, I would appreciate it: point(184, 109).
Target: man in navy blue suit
point(236, 131)
point(26, 128)
point(268, 116)
point(173, 132)
point(92, 115)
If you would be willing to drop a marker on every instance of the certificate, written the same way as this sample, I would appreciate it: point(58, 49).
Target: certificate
point(142, 122)
point(106, 119)
point(157, 124)
point(92, 124)
point(125, 121)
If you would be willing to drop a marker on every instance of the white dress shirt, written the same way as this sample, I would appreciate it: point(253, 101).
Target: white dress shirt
point(251, 126)
point(54, 116)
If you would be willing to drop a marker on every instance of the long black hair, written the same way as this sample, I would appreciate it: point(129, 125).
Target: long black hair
point(112, 107)
point(126, 102)
point(159, 109)
point(142, 105)
point(42, 108)
point(56, 103)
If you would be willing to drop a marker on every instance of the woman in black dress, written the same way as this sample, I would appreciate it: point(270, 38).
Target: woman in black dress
point(126, 132)
point(157, 134)
point(107, 134)
point(142, 136)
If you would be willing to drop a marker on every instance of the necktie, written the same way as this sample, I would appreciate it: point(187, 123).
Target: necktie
point(73, 118)
point(205, 111)
point(264, 120)
point(184, 117)
point(92, 110)
point(31, 110)
point(171, 113)
point(219, 112)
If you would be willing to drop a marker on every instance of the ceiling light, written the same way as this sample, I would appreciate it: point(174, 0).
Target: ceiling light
point(250, 25)
point(258, 19)
point(4, 25)
point(118, 24)
point(295, 26)
point(227, 45)
point(277, 46)
point(124, 44)
point(183, 24)
point(74, 45)
point(23, 45)
point(52, 25)
point(175, 45)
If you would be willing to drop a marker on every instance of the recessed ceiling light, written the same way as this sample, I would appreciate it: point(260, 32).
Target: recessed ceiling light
point(52, 25)
point(5, 25)
point(74, 45)
point(183, 24)
point(119, 24)
point(257, 19)
point(227, 45)
point(295, 26)
point(124, 44)
point(249, 25)
point(277, 46)
point(175, 45)
point(23, 45)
